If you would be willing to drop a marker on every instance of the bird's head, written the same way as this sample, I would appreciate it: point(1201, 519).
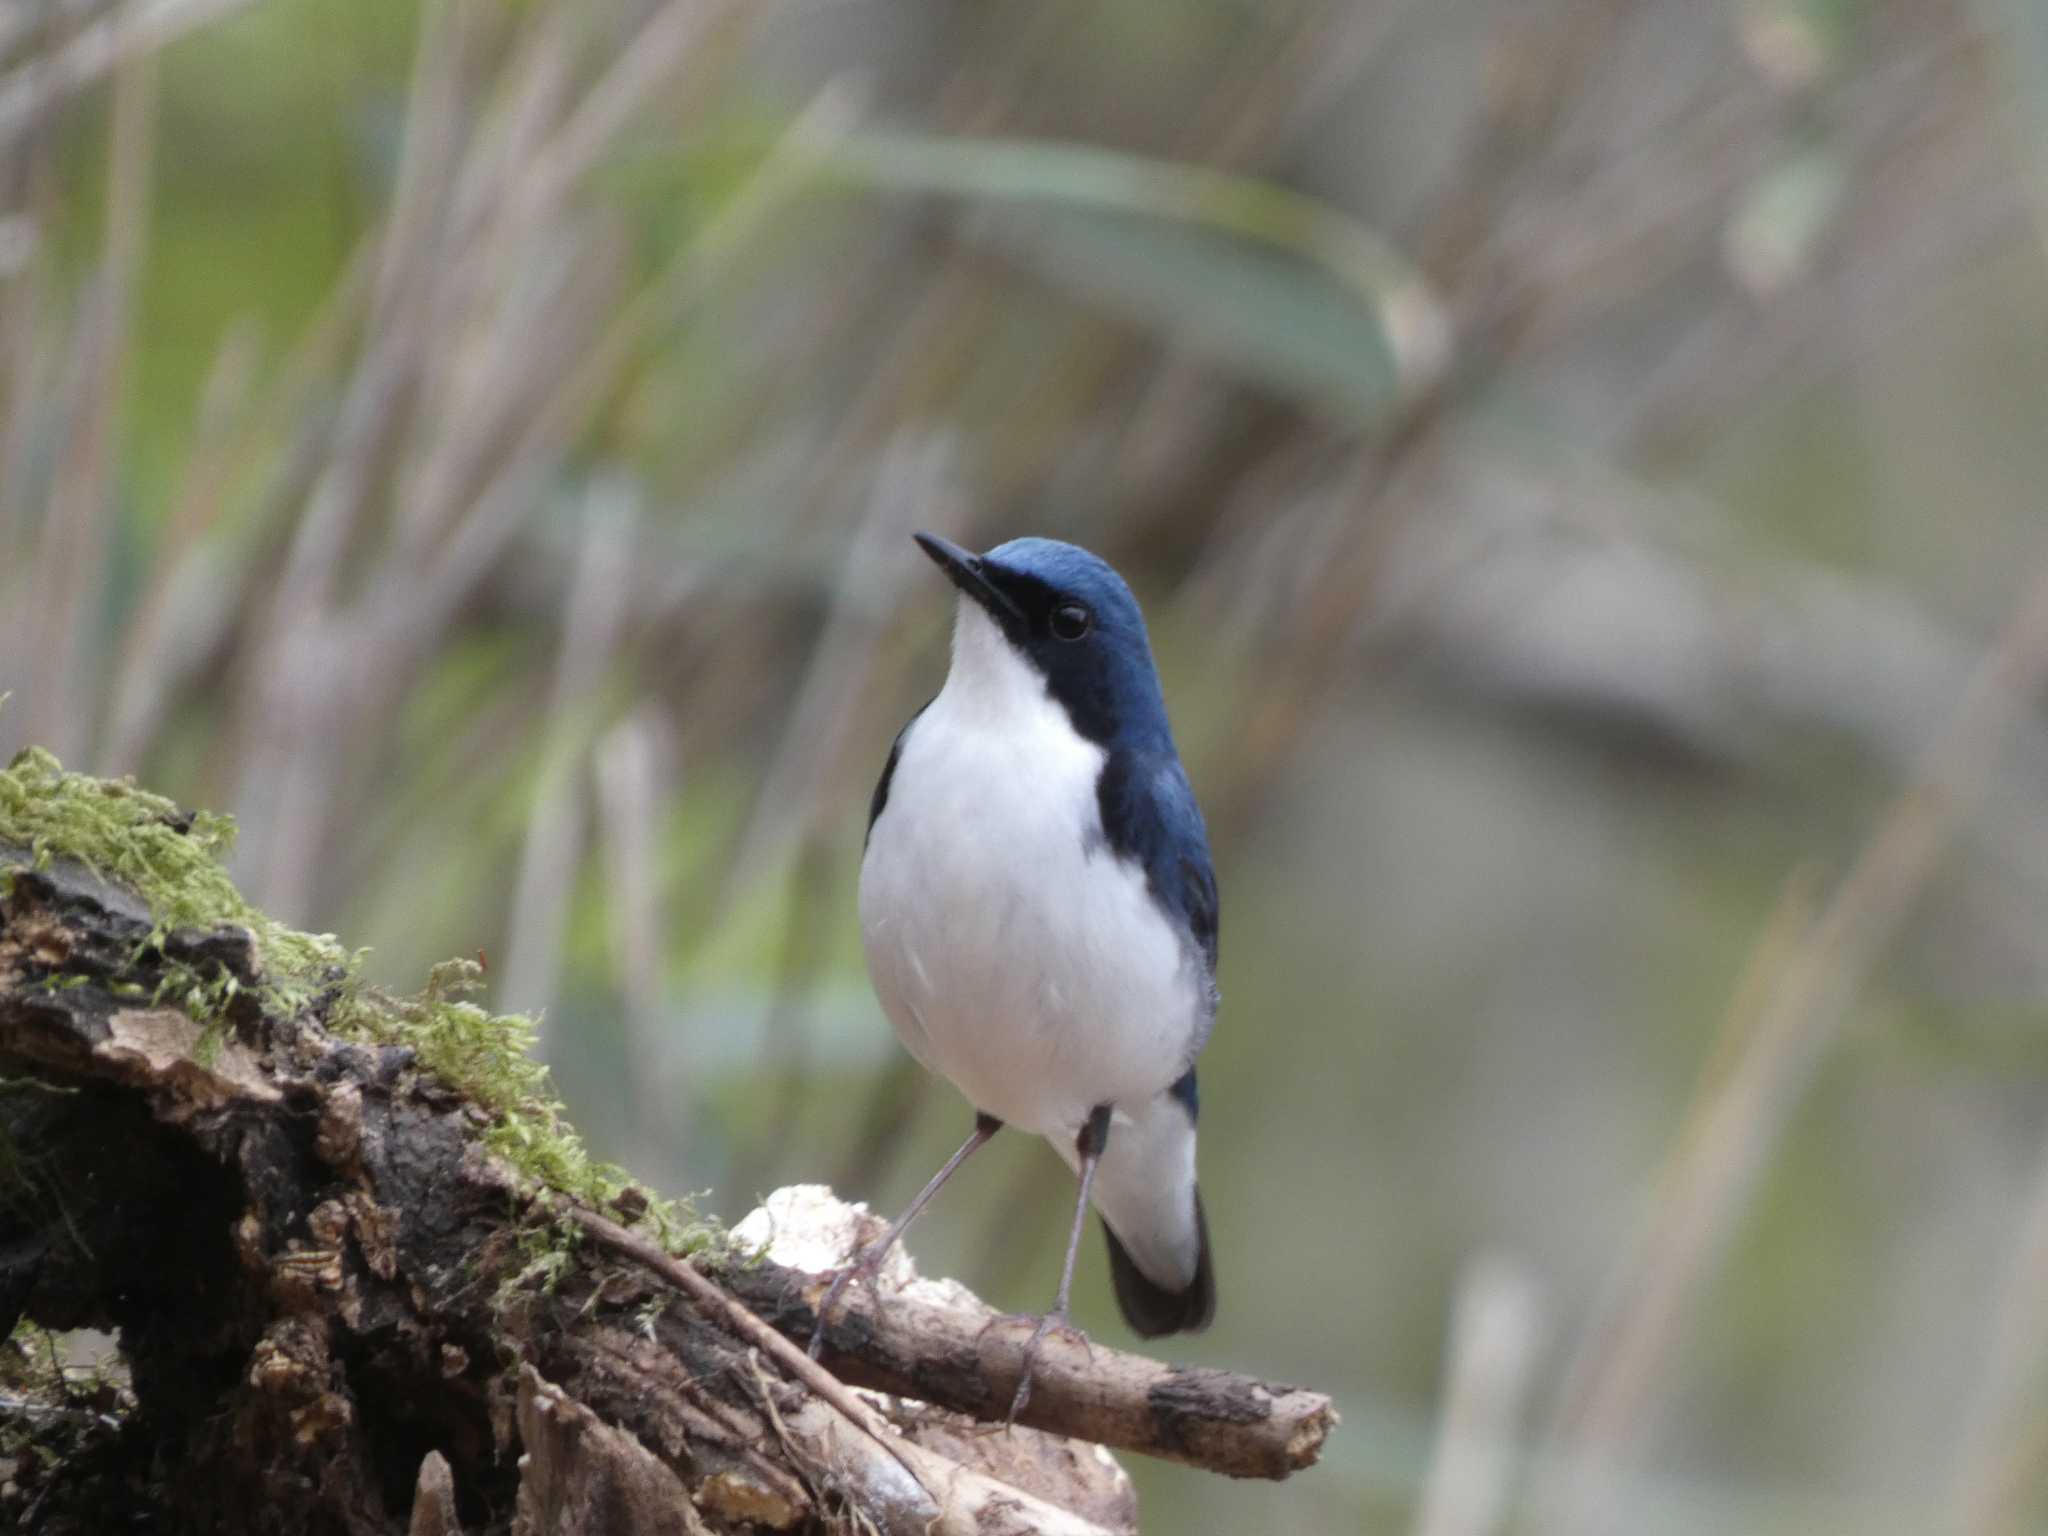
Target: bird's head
point(1066, 616)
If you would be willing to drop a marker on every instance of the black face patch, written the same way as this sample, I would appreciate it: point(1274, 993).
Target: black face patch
point(1103, 677)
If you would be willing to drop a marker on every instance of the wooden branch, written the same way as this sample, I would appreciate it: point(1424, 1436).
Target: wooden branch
point(938, 1343)
point(943, 1346)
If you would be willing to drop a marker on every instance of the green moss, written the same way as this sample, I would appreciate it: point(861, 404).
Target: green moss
point(173, 861)
point(490, 1055)
point(547, 1253)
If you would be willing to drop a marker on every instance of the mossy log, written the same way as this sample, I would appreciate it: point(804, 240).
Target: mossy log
point(347, 1303)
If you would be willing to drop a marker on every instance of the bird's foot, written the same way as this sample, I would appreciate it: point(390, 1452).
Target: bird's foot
point(865, 1266)
point(1052, 1322)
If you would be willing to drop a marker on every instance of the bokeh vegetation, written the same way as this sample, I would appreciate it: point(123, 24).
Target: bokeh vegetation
point(1581, 460)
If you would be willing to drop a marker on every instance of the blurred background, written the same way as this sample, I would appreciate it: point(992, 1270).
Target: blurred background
point(1582, 461)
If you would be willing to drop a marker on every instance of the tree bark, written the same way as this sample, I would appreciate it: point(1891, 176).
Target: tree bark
point(340, 1313)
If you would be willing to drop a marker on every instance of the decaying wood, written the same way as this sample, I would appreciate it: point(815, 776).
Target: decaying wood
point(581, 1476)
point(433, 1499)
point(327, 1297)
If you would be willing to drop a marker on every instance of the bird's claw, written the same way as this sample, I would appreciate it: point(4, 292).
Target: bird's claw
point(865, 1266)
point(1051, 1322)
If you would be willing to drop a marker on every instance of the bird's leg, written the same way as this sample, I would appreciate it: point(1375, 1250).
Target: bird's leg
point(1093, 1138)
point(869, 1263)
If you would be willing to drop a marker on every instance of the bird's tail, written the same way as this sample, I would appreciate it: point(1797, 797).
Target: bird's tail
point(1153, 1310)
point(1152, 1214)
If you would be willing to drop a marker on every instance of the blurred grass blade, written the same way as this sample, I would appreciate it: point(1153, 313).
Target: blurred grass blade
point(2029, 62)
point(82, 511)
point(2026, 63)
point(1287, 287)
point(110, 40)
point(1998, 1466)
point(1496, 1328)
point(554, 850)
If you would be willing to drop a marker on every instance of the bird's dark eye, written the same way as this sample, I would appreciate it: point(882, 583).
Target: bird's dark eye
point(1070, 621)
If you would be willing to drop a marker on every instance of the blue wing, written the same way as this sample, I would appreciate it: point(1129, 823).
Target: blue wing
point(1149, 815)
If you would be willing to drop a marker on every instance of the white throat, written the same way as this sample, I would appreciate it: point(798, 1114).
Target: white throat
point(989, 683)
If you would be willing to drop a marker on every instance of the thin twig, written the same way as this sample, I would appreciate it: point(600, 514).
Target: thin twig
point(749, 1327)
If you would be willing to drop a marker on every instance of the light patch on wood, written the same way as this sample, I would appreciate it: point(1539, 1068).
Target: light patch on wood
point(735, 1496)
point(158, 1046)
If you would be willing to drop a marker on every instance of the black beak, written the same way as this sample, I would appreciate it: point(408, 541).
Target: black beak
point(967, 572)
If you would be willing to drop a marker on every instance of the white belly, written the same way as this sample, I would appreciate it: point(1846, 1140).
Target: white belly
point(1016, 957)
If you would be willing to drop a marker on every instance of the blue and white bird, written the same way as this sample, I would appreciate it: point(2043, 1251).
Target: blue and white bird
point(1039, 913)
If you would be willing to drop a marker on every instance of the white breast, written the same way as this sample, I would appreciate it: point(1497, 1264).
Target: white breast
point(1013, 952)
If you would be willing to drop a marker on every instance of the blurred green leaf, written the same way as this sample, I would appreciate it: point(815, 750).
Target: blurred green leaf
point(1288, 288)
point(1287, 326)
point(1780, 221)
point(1797, 43)
point(1284, 288)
